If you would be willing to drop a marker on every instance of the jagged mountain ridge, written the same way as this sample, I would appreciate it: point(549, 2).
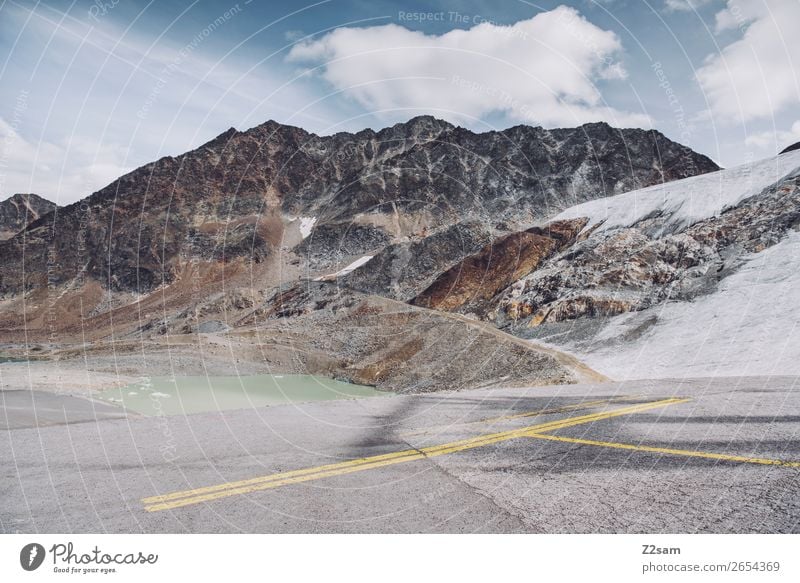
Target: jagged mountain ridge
point(21, 209)
point(236, 198)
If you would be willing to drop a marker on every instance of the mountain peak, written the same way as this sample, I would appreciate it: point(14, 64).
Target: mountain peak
point(428, 123)
point(28, 198)
point(425, 126)
point(20, 210)
point(427, 120)
point(598, 128)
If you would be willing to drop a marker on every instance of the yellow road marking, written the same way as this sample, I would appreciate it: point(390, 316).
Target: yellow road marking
point(550, 411)
point(205, 494)
point(667, 450)
point(431, 450)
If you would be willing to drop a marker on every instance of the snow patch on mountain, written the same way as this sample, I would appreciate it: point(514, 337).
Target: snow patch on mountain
point(350, 268)
point(685, 202)
point(307, 225)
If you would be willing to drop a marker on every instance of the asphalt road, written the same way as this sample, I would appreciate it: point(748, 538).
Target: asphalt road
point(702, 455)
point(21, 408)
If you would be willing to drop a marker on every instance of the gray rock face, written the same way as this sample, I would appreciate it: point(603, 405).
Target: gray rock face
point(330, 244)
point(20, 210)
point(402, 270)
point(228, 200)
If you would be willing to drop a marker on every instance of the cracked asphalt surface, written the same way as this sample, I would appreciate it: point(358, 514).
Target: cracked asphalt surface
point(95, 474)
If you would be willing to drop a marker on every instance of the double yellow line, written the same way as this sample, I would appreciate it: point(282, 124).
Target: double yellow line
point(208, 493)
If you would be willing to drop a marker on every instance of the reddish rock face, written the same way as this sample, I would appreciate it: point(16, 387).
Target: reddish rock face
point(470, 284)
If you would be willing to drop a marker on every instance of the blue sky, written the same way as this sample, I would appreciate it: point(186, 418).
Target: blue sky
point(92, 89)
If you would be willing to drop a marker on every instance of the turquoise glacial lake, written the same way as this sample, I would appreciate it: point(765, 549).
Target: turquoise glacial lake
point(199, 394)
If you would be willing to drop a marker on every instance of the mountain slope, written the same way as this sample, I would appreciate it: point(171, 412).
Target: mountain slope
point(377, 341)
point(241, 200)
point(691, 278)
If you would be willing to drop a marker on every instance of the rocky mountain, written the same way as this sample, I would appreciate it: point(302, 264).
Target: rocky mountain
point(20, 210)
point(242, 199)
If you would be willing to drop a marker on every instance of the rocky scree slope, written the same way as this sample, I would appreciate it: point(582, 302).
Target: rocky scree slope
point(377, 341)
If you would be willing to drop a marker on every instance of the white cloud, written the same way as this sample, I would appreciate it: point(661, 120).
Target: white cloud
point(773, 142)
point(105, 99)
point(541, 70)
point(756, 76)
point(685, 5)
point(60, 172)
